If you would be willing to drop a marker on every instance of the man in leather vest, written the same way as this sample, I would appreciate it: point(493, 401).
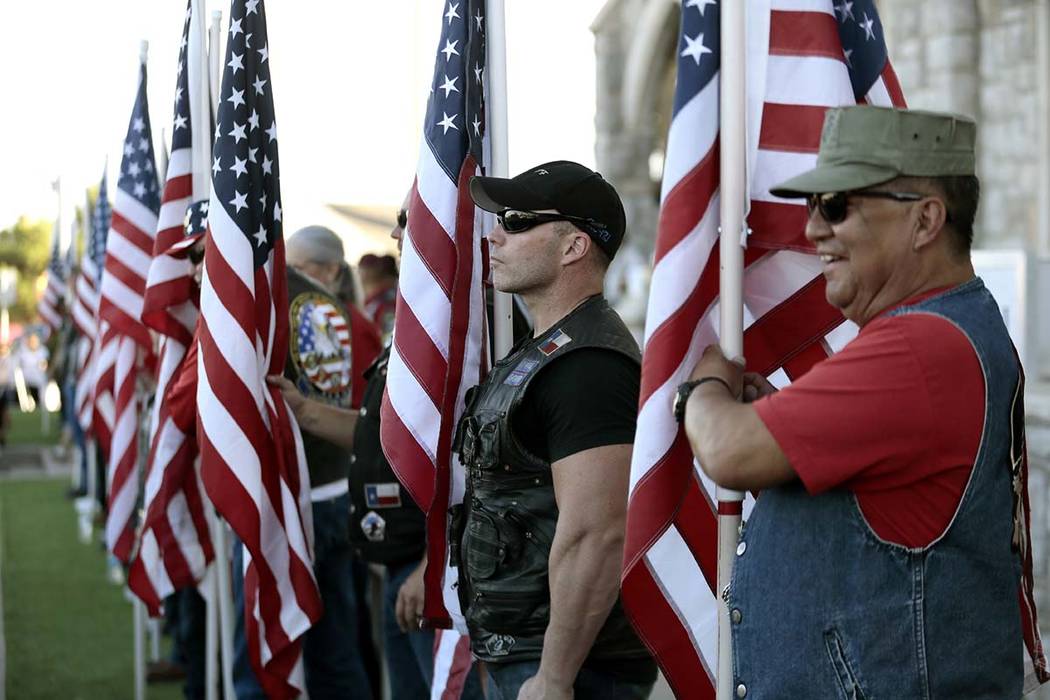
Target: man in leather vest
point(546, 441)
point(888, 553)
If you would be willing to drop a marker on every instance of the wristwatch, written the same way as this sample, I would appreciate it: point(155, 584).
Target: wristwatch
point(681, 398)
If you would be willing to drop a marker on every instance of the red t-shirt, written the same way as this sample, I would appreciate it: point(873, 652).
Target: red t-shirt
point(895, 417)
point(365, 345)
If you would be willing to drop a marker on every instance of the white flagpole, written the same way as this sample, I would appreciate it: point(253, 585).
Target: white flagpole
point(733, 179)
point(496, 108)
point(207, 96)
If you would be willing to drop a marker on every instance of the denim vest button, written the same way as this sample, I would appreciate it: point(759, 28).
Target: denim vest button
point(353, 459)
point(364, 411)
point(740, 549)
point(741, 690)
point(736, 616)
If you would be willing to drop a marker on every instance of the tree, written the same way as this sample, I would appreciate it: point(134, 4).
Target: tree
point(26, 246)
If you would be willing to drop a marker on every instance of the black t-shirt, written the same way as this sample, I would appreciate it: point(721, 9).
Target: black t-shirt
point(589, 398)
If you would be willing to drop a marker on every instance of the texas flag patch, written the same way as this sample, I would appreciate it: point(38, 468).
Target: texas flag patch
point(383, 495)
point(557, 340)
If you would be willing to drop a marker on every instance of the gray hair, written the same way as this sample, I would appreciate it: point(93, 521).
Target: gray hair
point(318, 243)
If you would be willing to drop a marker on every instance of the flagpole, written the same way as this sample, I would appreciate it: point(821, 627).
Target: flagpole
point(496, 107)
point(733, 178)
point(207, 97)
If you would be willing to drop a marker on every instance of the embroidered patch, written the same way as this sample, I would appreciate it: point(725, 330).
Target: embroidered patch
point(499, 644)
point(320, 347)
point(373, 526)
point(383, 495)
point(557, 340)
point(519, 373)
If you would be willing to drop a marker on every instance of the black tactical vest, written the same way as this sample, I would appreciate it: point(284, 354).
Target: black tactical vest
point(506, 525)
point(319, 365)
point(386, 526)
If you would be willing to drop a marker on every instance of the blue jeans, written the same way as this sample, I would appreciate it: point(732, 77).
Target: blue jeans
point(331, 657)
point(506, 679)
point(410, 656)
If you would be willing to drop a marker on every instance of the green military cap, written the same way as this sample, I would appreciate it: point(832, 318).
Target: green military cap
point(862, 146)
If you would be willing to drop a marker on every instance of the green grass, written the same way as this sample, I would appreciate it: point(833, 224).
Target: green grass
point(68, 630)
point(25, 428)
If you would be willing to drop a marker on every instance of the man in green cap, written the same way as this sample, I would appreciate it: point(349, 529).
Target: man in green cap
point(888, 553)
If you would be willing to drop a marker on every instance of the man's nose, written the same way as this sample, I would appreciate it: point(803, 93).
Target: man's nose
point(817, 228)
point(497, 235)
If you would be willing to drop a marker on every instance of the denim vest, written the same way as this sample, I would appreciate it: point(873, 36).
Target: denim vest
point(821, 607)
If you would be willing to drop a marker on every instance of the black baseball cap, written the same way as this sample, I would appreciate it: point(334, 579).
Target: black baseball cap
point(569, 188)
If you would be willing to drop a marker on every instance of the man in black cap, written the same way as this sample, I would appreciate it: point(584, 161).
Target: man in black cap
point(546, 440)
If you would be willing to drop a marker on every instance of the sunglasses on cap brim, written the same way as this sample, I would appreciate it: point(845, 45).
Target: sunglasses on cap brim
point(519, 221)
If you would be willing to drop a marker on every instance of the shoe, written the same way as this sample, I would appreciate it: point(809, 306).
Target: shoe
point(164, 671)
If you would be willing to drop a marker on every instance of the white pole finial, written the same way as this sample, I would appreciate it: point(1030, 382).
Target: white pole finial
point(143, 51)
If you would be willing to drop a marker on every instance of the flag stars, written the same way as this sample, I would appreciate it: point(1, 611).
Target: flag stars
point(251, 155)
point(134, 169)
point(277, 211)
point(253, 120)
point(216, 168)
point(178, 94)
point(260, 236)
point(236, 97)
point(250, 7)
point(450, 49)
point(239, 166)
point(264, 53)
point(267, 164)
point(452, 14)
point(869, 27)
point(140, 189)
point(238, 132)
point(449, 85)
point(235, 27)
point(272, 131)
point(846, 8)
point(240, 201)
point(479, 19)
point(138, 125)
point(848, 53)
point(447, 124)
point(129, 149)
point(236, 62)
point(477, 71)
point(477, 126)
point(180, 122)
point(143, 144)
point(262, 200)
point(694, 47)
point(700, 4)
point(258, 85)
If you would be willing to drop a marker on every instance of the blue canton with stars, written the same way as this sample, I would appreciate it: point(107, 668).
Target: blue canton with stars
point(244, 166)
point(863, 43)
point(699, 48)
point(96, 243)
point(181, 136)
point(455, 119)
point(56, 269)
point(138, 169)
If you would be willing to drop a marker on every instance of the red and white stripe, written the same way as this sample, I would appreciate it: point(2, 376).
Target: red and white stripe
point(129, 250)
point(452, 664)
point(85, 310)
point(52, 302)
point(670, 557)
point(101, 369)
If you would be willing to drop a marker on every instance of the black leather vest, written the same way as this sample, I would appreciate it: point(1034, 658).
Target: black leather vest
point(505, 528)
point(319, 365)
point(386, 526)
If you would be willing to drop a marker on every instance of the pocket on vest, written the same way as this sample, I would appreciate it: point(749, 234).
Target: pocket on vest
point(848, 681)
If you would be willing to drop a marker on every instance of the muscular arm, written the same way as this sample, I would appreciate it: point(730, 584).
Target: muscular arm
point(586, 556)
point(336, 425)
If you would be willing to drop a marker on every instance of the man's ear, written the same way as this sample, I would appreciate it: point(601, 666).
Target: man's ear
point(932, 217)
point(576, 246)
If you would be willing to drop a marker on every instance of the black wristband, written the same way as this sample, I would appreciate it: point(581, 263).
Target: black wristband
point(721, 381)
point(686, 388)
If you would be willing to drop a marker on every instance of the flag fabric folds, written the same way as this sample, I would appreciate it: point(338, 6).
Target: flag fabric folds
point(803, 57)
point(436, 353)
point(175, 540)
point(129, 249)
point(51, 306)
point(85, 305)
point(252, 460)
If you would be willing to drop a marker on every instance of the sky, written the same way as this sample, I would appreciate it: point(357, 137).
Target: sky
point(350, 82)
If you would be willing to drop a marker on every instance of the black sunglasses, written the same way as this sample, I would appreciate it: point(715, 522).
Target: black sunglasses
point(402, 219)
point(833, 206)
point(519, 221)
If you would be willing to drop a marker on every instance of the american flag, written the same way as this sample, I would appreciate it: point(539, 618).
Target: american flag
point(252, 459)
point(85, 305)
point(98, 371)
point(814, 55)
point(436, 351)
point(51, 305)
point(175, 541)
point(129, 249)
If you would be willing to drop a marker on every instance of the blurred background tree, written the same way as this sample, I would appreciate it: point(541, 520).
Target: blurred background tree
point(26, 247)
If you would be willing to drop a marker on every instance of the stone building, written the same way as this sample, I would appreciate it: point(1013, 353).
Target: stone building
point(986, 58)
